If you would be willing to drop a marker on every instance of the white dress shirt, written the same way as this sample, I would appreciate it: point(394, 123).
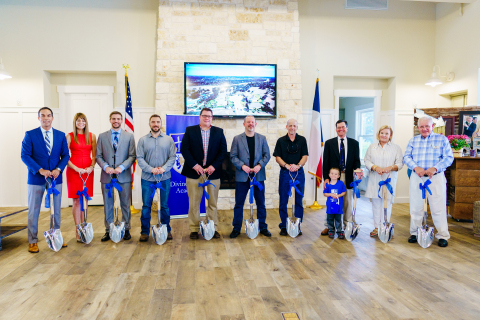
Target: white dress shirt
point(50, 136)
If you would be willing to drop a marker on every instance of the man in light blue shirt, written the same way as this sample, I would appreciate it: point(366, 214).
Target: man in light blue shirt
point(428, 155)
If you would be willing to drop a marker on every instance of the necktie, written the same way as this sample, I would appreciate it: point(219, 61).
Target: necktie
point(342, 155)
point(47, 142)
point(115, 142)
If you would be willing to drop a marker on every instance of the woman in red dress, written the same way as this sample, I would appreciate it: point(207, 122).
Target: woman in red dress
point(83, 146)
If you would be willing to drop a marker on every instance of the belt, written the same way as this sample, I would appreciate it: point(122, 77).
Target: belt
point(342, 171)
point(426, 175)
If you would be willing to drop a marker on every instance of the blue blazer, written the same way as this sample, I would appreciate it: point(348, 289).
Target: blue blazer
point(35, 154)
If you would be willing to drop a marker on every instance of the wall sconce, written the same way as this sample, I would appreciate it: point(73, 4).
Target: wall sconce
point(435, 80)
point(3, 74)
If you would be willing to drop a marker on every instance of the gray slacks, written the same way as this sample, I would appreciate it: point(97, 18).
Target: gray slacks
point(35, 197)
point(124, 205)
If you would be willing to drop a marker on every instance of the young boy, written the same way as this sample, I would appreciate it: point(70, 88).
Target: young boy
point(334, 191)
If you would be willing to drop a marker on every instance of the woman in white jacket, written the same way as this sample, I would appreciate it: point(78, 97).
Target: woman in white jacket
point(383, 158)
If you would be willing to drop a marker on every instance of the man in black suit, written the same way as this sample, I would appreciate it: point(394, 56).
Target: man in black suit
point(203, 147)
point(471, 128)
point(346, 156)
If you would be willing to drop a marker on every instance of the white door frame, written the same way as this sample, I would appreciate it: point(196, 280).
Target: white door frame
point(66, 114)
point(375, 94)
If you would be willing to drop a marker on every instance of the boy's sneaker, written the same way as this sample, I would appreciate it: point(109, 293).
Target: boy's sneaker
point(341, 235)
point(331, 234)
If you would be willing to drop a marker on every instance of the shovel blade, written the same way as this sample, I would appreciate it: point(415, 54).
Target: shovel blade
point(385, 233)
point(54, 239)
point(351, 231)
point(207, 228)
point(425, 236)
point(117, 231)
point(160, 233)
point(85, 231)
point(251, 228)
point(293, 227)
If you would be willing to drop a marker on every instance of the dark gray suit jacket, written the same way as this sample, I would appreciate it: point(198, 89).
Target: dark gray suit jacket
point(125, 155)
point(240, 155)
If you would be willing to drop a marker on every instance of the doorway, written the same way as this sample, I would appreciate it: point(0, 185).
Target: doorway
point(96, 102)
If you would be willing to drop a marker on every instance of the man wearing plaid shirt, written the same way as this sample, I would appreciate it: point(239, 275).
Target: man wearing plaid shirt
point(203, 147)
point(428, 155)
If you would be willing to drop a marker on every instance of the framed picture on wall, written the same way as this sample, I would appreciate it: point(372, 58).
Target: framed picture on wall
point(467, 123)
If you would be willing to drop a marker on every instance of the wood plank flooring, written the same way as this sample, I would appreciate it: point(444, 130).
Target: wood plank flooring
point(222, 279)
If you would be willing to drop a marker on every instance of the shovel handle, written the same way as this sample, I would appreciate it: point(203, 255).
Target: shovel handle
point(159, 207)
point(425, 214)
point(385, 197)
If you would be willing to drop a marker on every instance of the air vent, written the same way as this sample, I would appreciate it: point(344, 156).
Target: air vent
point(367, 4)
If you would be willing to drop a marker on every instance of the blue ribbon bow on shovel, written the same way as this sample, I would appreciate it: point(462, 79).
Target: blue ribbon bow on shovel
point(293, 184)
point(51, 190)
point(202, 185)
point(83, 193)
point(387, 184)
point(111, 185)
point(156, 186)
point(424, 186)
point(354, 185)
point(254, 183)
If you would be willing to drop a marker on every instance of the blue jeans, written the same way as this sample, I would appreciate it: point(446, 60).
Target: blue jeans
point(147, 205)
point(334, 221)
point(241, 191)
point(283, 188)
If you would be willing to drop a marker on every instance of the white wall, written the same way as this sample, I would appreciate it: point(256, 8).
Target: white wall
point(457, 49)
point(351, 106)
point(77, 35)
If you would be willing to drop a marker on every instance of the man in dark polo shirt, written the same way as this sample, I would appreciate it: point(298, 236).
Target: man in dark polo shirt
point(291, 153)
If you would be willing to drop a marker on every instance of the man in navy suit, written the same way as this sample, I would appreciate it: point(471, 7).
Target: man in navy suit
point(203, 147)
point(45, 153)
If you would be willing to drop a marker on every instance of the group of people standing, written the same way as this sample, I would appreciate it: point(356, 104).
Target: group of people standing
point(47, 152)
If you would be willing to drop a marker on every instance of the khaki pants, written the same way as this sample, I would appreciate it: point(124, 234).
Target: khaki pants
point(195, 196)
point(347, 202)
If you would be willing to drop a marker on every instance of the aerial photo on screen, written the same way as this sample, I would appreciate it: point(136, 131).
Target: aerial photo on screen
point(230, 90)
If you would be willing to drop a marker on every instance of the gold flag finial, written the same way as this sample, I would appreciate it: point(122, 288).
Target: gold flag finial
point(125, 66)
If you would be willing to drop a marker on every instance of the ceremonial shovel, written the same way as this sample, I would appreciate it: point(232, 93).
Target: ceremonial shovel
point(53, 236)
point(159, 231)
point(293, 223)
point(425, 233)
point(385, 233)
point(207, 227)
point(117, 228)
point(251, 225)
point(352, 228)
point(85, 230)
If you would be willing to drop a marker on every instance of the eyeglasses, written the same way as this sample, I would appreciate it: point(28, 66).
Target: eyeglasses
point(206, 117)
point(292, 148)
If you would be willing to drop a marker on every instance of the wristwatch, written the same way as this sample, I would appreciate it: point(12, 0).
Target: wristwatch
point(59, 170)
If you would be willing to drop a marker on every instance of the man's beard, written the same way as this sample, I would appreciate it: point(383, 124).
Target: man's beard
point(157, 129)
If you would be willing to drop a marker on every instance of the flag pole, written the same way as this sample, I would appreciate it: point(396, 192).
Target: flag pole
point(132, 208)
point(315, 205)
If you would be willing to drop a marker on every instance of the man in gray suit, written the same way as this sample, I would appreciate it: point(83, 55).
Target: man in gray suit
point(115, 155)
point(249, 154)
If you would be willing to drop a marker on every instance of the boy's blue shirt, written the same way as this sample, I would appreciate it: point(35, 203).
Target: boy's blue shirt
point(335, 206)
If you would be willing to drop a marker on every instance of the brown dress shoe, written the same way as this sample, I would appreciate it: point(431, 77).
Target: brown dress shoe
point(143, 237)
point(324, 232)
point(64, 245)
point(33, 248)
point(169, 237)
point(216, 235)
point(194, 235)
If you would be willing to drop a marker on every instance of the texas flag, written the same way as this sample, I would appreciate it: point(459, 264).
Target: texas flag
point(315, 149)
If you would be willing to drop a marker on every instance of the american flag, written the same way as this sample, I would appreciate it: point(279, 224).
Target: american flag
point(129, 117)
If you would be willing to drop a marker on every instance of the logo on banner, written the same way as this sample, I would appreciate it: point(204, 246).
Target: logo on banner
point(179, 160)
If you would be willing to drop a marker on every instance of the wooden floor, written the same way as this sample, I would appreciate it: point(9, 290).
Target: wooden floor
point(315, 276)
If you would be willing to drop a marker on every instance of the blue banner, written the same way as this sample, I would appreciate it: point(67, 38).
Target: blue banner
point(178, 199)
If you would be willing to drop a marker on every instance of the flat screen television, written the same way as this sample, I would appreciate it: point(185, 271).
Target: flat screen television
point(231, 89)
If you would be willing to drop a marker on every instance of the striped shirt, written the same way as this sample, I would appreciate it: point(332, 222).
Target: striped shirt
point(205, 139)
point(433, 151)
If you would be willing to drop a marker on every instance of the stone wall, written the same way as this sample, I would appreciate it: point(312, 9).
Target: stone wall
point(237, 31)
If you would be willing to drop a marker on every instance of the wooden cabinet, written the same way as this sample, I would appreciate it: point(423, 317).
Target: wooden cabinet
point(463, 187)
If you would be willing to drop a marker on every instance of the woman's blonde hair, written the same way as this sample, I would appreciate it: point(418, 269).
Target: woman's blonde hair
point(85, 131)
point(383, 128)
